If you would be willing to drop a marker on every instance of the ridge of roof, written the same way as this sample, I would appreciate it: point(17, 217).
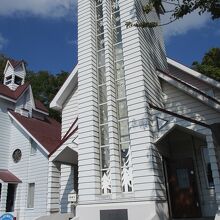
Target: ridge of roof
point(47, 132)
point(15, 63)
point(39, 105)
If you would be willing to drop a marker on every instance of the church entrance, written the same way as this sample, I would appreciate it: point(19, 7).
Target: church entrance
point(187, 174)
point(11, 197)
point(183, 188)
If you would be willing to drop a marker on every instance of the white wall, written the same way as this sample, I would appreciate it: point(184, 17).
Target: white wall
point(31, 169)
point(4, 133)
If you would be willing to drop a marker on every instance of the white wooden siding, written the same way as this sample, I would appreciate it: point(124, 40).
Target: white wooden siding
point(4, 133)
point(31, 169)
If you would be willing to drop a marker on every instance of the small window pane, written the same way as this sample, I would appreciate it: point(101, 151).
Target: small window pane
point(102, 94)
point(121, 89)
point(117, 35)
point(115, 5)
point(116, 19)
point(33, 147)
point(207, 165)
point(104, 135)
point(124, 130)
point(118, 52)
point(120, 73)
point(100, 42)
point(101, 58)
point(105, 157)
point(99, 12)
point(100, 27)
point(101, 75)
point(183, 178)
point(124, 153)
point(103, 114)
point(30, 200)
point(18, 80)
point(122, 109)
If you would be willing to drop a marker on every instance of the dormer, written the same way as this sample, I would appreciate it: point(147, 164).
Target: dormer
point(14, 74)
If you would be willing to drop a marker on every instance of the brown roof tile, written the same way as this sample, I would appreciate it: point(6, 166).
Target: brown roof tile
point(8, 177)
point(15, 63)
point(47, 132)
point(39, 105)
point(7, 92)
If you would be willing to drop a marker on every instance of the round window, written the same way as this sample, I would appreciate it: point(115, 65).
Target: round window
point(17, 155)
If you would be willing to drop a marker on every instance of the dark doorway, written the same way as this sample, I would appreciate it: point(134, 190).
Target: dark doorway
point(183, 189)
point(10, 197)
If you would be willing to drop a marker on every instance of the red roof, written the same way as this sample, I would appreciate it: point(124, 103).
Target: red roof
point(39, 105)
point(7, 92)
point(47, 132)
point(8, 177)
point(15, 63)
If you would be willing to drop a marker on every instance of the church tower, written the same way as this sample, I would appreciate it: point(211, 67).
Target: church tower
point(14, 74)
point(117, 80)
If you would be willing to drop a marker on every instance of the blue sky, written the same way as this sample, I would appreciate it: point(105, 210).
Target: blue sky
point(44, 33)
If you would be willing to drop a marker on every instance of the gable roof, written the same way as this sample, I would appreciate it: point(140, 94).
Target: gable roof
point(194, 73)
point(46, 133)
point(15, 63)
point(190, 90)
point(8, 93)
point(70, 83)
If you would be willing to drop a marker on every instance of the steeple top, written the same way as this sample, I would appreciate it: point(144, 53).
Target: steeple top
point(14, 73)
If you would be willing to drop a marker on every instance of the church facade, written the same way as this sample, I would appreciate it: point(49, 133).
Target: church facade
point(140, 131)
point(27, 136)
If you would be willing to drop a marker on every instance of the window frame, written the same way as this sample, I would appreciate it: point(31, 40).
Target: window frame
point(28, 195)
point(204, 168)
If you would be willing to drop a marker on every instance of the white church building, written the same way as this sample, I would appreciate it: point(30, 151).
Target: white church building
point(141, 129)
point(27, 136)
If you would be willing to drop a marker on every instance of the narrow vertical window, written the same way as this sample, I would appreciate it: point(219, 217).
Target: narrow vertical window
point(33, 147)
point(123, 123)
point(30, 198)
point(207, 166)
point(102, 100)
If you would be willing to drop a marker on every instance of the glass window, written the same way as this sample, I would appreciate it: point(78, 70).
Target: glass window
point(124, 152)
point(115, 5)
point(183, 178)
point(102, 94)
point(117, 35)
point(122, 109)
point(30, 199)
point(105, 157)
point(100, 42)
point(104, 135)
point(33, 147)
point(103, 114)
point(120, 69)
point(118, 52)
point(101, 75)
point(121, 88)
point(18, 80)
point(99, 12)
point(101, 58)
point(124, 130)
point(98, 2)
point(100, 27)
point(116, 19)
point(207, 165)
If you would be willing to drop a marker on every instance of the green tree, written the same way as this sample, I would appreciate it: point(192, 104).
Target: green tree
point(179, 10)
point(210, 65)
point(3, 60)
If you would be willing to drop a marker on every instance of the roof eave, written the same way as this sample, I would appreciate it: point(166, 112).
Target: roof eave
point(65, 90)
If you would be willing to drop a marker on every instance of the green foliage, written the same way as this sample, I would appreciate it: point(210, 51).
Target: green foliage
point(44, 85)
point(179, 10)
point(210, 65)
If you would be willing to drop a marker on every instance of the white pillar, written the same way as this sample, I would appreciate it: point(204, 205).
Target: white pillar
point(4, 194)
